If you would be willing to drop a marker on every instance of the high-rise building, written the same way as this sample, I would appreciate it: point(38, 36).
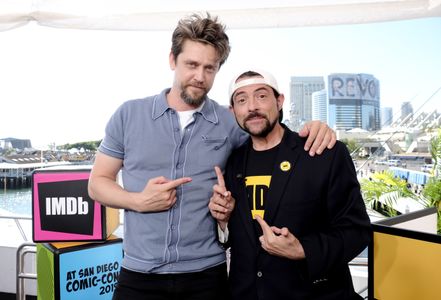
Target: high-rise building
point(386, 116)
point(406, 109)
point(301, 88)
point(320, 106)
point(354, 101)
point(15, 143)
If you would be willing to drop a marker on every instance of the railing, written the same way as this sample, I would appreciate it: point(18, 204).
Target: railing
point(361, 262)
point(22, 250)
point(17, 222)
point(27, 248)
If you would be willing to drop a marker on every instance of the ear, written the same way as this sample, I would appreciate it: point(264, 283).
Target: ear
point(172, 61)
point(280, 101)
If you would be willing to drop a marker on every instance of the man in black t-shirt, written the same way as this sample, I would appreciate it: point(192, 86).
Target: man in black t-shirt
point(297, 220)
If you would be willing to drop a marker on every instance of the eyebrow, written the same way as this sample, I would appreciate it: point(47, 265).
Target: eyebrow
point(264, 88)
point(192, 61)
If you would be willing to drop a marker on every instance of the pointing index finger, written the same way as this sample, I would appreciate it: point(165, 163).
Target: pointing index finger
point(177, 182)
point(220, 177)
point(266, 229)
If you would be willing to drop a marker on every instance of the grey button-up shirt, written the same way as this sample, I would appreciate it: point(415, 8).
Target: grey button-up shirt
point(146, 135)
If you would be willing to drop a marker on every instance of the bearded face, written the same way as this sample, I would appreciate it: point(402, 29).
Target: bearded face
point(194, 94)
point(195, 69)
point(257, 124)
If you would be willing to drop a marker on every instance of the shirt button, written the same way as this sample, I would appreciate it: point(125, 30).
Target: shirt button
point(259, 274)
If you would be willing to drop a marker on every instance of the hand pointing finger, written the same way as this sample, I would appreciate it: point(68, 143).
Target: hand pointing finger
point(220, 177)
point(266, 229)
point(172, 184)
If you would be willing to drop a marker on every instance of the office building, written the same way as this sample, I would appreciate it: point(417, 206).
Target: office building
point(354, 101)
point(301, 88)
point(320, 106)
point(406, 110)
point(386, 116)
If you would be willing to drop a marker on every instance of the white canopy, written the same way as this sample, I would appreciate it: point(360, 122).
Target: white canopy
point(163, 14)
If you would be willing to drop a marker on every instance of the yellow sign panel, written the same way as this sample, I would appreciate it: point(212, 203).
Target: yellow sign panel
point(405, 268)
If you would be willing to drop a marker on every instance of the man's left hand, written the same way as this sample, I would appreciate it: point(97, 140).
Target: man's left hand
point(221, 202)
point(280, 242)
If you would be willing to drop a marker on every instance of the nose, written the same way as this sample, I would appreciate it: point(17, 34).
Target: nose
point(199, 75)
point(252, 104)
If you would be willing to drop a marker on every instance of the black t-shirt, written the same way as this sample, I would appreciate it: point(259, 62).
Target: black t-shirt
point(260, 165)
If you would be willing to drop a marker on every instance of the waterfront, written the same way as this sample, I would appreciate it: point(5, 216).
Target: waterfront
point(16, 201)
point(19, 201)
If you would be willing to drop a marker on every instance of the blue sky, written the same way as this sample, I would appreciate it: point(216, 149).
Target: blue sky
point(61, 85)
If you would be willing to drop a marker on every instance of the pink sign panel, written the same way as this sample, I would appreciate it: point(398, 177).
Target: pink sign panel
point(62, 209)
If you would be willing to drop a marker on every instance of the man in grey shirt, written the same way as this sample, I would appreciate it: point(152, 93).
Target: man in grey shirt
point(166, 147)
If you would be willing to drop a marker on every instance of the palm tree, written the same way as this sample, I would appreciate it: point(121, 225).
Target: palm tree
point(382, 191)
point(432, 190)
point(435, 151)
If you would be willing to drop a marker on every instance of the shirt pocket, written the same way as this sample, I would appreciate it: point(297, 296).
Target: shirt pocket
point(213, 151)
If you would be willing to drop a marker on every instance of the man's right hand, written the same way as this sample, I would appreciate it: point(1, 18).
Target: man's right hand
point(221, 203)
point(158, 195)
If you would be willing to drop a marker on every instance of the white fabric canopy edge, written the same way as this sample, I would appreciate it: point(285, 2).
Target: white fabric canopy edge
point(134, 15)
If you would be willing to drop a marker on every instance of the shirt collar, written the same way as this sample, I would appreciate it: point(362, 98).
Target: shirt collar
point(160, 106)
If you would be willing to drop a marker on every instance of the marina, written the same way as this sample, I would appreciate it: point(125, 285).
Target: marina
point(18, 175)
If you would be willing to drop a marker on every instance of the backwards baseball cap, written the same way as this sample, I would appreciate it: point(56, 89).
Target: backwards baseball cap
point(267, 78)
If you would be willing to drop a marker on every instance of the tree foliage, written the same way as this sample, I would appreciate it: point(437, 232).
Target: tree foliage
point(432, 190)
point(351, 144)
point(382, 190)
point(435, 151)
point(90, 145)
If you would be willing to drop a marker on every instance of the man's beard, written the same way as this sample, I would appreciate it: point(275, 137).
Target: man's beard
point(269, 126)
point(195, 102)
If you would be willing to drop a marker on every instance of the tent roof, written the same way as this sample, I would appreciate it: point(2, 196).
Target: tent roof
point(164, 14)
